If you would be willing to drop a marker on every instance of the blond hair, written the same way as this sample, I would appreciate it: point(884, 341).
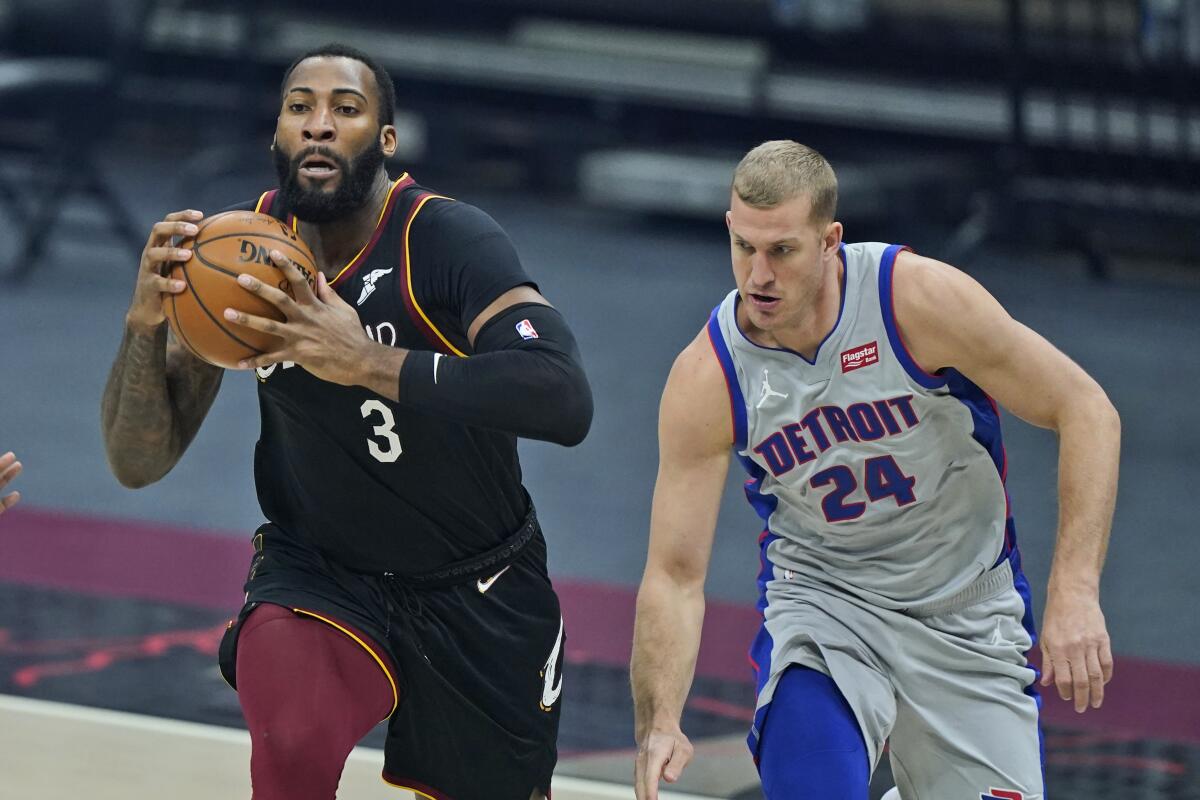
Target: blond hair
point(779, 170)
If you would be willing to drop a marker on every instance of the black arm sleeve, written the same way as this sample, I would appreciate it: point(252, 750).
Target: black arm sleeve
point(525, 378)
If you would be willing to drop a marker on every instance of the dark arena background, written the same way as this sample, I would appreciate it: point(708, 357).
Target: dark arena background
point(1050, 148)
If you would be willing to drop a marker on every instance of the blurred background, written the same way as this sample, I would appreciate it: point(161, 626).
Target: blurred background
point(1050, 148)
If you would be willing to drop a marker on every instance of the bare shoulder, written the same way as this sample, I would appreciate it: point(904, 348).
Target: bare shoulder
point(697, 376)
point(938, 307)
point(695, 407)
point(920, 283)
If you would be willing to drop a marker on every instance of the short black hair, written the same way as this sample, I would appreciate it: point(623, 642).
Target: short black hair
point(383, 81)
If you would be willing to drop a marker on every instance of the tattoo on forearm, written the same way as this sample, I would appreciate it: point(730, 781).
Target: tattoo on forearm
point(153, 405)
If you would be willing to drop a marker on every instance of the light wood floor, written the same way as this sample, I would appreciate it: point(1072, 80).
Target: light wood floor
point(53, 751)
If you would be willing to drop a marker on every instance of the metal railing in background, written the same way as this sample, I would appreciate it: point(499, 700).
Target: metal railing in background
point(1067, 118)
point(57, 104)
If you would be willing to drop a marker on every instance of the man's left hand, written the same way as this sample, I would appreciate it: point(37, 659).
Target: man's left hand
point(321, 331)
point(1076, 654)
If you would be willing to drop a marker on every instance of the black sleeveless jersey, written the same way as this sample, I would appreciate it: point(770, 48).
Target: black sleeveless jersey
point(373, 485)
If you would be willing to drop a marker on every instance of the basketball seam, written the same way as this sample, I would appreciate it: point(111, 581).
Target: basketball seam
point(210, 220)
point(208, 314)
point(206, 263)
point(205, 223)
point(272, 237)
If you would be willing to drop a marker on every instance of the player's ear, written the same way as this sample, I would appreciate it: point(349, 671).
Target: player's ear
point(387, 140)
point(274, 136)
point(832, 239)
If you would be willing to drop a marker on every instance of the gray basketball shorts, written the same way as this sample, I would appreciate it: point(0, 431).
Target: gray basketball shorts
point(947, 686)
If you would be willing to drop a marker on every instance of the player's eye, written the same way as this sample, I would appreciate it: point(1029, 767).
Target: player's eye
point(350, 110)
point(297, 108)
point(782, 251)
point(745, 247)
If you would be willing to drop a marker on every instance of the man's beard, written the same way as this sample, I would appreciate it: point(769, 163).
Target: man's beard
point(317, 205)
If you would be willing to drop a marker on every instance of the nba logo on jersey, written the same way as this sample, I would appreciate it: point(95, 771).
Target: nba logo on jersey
point(861, 356)
point(1001, 794)
point(525, 328)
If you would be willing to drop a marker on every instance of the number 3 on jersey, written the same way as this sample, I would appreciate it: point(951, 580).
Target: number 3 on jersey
point(392, 450)
point(882, 477)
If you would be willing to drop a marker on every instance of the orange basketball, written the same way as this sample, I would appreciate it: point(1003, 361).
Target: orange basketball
point(225, 246)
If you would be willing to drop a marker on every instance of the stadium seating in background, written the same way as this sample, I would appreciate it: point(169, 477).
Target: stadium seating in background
point(61, 71)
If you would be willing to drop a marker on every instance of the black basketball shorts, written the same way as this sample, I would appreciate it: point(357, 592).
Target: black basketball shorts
point(478, 664)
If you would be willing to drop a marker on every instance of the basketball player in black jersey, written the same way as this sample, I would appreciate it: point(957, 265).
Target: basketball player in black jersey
point(401, 573)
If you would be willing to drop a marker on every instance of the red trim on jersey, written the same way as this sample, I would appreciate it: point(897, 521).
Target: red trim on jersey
point(348, 271)
point(266, 201)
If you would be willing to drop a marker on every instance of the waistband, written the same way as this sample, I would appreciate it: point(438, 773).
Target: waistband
point(482, 565)
point(988, 585)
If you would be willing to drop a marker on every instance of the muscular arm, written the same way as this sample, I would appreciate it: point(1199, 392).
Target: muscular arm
point(157, 393)
point(155, 399)
point(694, 441)
point(949, 320)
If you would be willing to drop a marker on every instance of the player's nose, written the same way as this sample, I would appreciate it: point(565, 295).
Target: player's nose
point(319, 127)
point(761, 273)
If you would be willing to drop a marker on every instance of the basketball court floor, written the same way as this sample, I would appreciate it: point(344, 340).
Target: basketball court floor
point(112, 601)
point(189, 761)
point(108, 665)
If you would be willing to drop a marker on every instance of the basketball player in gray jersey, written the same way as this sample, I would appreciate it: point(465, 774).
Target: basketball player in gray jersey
point(854, 383)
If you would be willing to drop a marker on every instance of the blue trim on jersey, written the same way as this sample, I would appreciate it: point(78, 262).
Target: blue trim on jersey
point(763, 644)
point(983, 415)
point(888, 307)
point(1021, 584)
point(737, 402)
point(763, 504)
point(841, 310)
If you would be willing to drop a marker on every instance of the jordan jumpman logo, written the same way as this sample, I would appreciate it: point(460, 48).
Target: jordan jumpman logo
point(767, 391)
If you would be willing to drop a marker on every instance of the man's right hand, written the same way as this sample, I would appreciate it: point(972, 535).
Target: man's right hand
point(159, 255)
point(662, 754)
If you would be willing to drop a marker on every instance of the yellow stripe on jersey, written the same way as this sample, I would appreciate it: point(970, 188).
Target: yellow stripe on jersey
point(408, 274)
point(383, 210)
point(417, 792)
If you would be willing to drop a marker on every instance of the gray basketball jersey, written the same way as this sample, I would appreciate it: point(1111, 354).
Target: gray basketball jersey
point(872, 475)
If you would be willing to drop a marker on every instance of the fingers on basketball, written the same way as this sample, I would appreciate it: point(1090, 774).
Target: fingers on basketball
point(225, 246)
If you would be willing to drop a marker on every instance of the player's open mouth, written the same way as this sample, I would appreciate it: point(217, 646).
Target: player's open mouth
point(317, 167)
point(763, 301)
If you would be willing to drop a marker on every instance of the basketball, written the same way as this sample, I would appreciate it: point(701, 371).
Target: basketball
point(225, 246)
